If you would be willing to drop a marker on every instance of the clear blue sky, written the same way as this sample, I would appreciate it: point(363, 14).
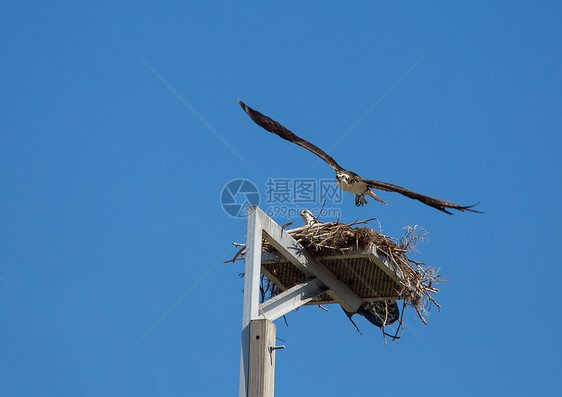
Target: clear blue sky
point(110, 187)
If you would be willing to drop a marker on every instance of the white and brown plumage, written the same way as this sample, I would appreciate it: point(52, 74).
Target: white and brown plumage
point(347, 180)
point(308, 218)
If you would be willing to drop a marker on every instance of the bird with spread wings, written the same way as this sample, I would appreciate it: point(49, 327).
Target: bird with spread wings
point(347, 180)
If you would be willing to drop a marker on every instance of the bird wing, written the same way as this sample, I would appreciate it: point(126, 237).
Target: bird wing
point(441, 205)
point(276, 128)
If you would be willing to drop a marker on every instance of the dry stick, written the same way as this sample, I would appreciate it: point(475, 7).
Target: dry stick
point(240, 252)
point(400, 323)
point(321, 209)
point(384, 322)
point(286, 224)
point(353, 322)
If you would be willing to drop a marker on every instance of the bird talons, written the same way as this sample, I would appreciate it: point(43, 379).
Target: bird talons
point(360, 200)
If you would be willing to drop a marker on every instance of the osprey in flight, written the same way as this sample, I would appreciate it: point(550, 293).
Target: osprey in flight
point(348, 180)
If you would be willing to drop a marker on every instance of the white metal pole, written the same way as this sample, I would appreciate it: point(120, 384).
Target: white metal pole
point(251, 292)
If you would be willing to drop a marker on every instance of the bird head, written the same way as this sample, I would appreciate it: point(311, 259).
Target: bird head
point(307, 217)
point(342, 177)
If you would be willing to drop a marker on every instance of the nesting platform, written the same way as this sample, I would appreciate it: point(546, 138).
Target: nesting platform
point(367, 273)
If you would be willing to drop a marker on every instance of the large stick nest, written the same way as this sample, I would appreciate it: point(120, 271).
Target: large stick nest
point(419, 279)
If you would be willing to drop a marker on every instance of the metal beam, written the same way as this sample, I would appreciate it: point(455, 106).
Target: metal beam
point(291, 299)
point(252, 267)
point(385, 265)
point(297, 255)
point(251, 293)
